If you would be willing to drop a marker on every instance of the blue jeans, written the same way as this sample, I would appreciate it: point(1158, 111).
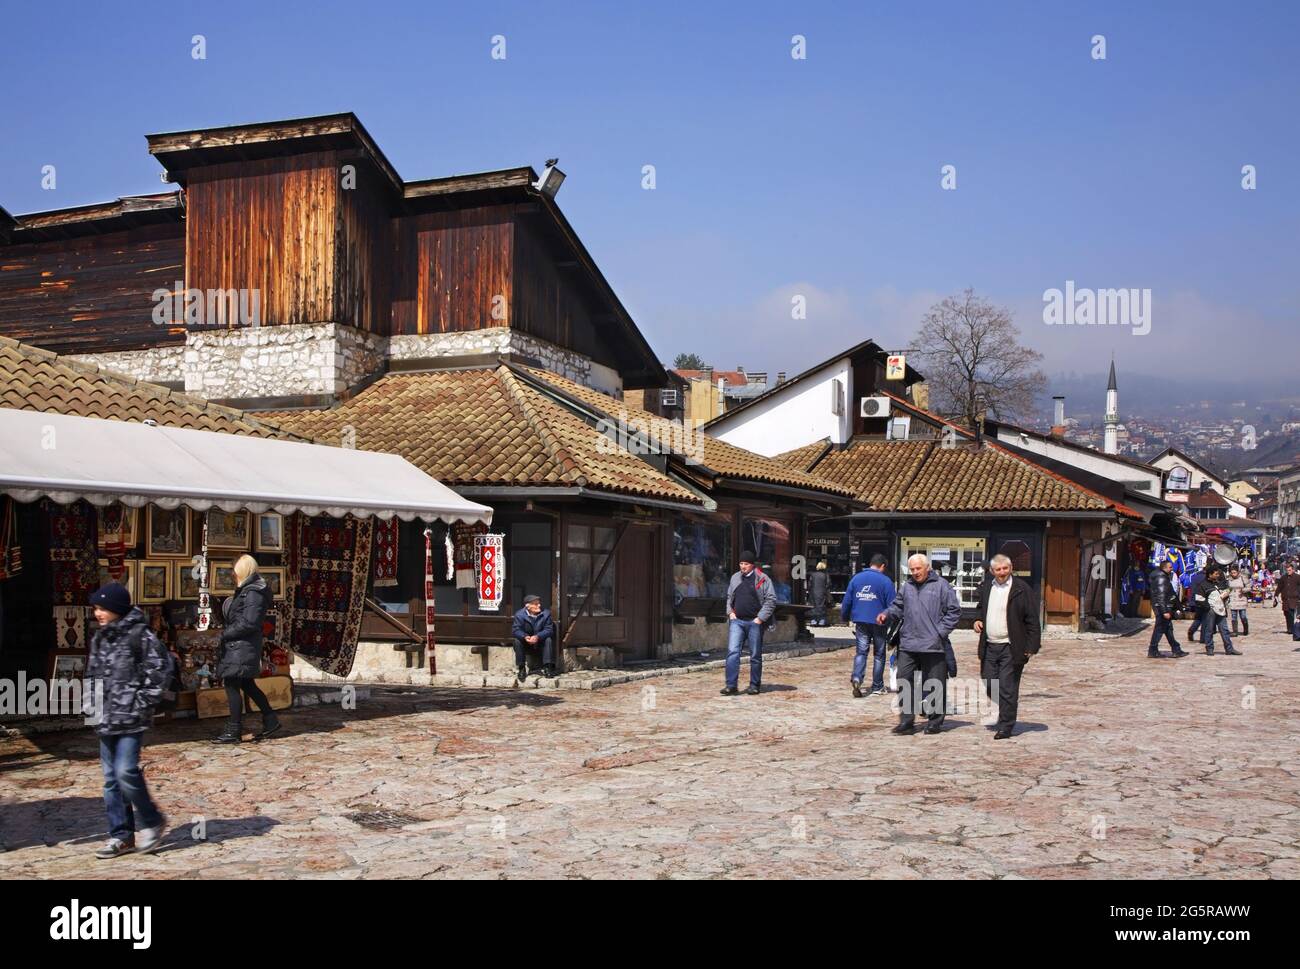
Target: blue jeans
point(868, 633)
point(1216, 623)
point(124, 788)
point(741, 632)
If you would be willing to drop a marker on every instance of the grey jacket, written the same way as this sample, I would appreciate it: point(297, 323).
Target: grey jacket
point(763, 586)
point(127, 672)
point(930, 612)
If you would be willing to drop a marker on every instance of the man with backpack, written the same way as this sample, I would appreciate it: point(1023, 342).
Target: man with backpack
point(127, 673)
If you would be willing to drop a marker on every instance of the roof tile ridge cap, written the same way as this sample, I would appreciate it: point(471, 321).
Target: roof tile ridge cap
point(926, 454)
point(1061, 479)
point(557, 451)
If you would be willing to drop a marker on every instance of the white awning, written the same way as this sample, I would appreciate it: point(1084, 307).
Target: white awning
point(64, 458)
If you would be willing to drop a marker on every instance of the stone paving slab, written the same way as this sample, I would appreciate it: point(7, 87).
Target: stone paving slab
point(1123, 767)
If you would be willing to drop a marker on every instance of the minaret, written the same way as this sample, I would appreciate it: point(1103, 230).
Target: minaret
point(1111, 445)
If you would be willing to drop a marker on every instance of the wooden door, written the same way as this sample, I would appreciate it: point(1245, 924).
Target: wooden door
point(638, 591)
point(1061, 588)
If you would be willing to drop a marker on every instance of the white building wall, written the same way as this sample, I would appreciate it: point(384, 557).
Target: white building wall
point(795, 415)
point(1094, 463)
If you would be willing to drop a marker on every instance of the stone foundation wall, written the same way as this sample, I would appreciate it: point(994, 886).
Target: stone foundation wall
point(501, 340)
point(277, 361)
point(158, 365)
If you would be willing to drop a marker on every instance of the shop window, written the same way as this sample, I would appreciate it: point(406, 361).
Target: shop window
point(957, 559)
point(769, 538)
point(587, 548)
point(1022, 558)
point(702, 564)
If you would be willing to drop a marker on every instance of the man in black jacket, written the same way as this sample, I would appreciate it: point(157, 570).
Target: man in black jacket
point(1160, 588)
point(1010, 633)
point(534, 629)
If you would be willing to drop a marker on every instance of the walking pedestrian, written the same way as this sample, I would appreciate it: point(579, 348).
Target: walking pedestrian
point(930, 611)
point(819, 589)
point(1160, 589)
point(869, 593)
point(1010, 633)
point(1198, 611)
point(1288, 591)
point(239, 659)
point(126, 674)
point(1238, 602)
point(751, 601)
point(1216, 612)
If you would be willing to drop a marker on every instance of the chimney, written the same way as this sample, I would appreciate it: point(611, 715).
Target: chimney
point(780, 376)
point(1058, 416)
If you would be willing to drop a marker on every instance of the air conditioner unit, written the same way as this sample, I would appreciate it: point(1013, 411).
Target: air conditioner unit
point(874, 407)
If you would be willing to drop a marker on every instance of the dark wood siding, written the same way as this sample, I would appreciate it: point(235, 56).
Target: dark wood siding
point(449, 266)
point(267, 225)
point(552, 302)
point(363, 244)
point(91, 294)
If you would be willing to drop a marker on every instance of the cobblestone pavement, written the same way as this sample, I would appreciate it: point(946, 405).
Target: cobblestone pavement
point(1122, 767)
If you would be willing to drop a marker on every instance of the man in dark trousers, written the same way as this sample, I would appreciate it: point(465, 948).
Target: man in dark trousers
point(1288, 590)
point(534, 629)
point(1198, 611)
point(1010, 633)
point(819, 590)
point(930, 611)
point(1160, 587)
point(869, 592)
point(751, 601)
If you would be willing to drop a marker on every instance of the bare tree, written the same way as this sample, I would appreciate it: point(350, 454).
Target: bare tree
point(970, 354)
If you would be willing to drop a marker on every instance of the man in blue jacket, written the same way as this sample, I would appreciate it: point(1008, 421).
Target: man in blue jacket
point(930, 611)
point(869, 592)
point(534, 628)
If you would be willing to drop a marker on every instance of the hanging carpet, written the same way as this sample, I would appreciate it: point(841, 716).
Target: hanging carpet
point(73, 564)
point(329, 561)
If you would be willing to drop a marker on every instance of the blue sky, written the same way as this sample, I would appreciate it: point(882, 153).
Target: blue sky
point(774, 176)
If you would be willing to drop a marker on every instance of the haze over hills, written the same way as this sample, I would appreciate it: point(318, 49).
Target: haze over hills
point(1141, 394)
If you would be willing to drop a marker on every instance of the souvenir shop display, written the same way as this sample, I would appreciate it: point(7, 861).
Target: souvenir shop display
point(385, 557)
point(327, 574)
point(490, 565)
point(167, 532)
point(270, 532)
point(228, 530)
point(463, 540)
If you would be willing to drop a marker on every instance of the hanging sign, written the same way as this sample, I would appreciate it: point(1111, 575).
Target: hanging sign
point(895, 367)
point(491, 567)
point(201, 573)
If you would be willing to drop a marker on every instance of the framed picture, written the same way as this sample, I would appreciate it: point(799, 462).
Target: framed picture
point(128, 577)
point(228, 529)
point(274, 576)
point(154, 581)
point(130, 531)
point(270, 532)
point(184, 585)
point(69, 666)
point(221, 578)
point(167, 533)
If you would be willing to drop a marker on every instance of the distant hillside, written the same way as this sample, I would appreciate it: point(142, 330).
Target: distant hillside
point(1170, 396)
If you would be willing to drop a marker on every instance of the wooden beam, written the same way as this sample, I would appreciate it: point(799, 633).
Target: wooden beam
point(485, 181)
point(382, 613)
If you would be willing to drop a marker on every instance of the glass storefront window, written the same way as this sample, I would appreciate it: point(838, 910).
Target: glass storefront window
point(770, 540)
point(702, 564)
point(960, 560)
point(585, 556)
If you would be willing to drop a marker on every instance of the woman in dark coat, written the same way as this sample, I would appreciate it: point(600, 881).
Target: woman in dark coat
point(819, 587)
point(240, 658)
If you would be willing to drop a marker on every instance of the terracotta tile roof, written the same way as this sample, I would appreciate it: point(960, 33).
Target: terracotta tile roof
point(803, 458)
point(923, 476)
point(722, 459)
point(1206, 499)
point(36, 379)
point(485, 427)
point(732, 378)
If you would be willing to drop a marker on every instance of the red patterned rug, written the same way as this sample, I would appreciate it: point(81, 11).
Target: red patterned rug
point(329, 561)
point(73, 564)
point(385, 573)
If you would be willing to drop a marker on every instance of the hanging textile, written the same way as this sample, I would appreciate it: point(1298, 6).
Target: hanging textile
point(491, 571)
point(385, 571)
point(429, 611)
point(113, 527)
point(70, 627)
point(465, 550)
point(328, 563)
point(205, 596)
point(11, 553)
point(451, 554)
point(73, 564)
